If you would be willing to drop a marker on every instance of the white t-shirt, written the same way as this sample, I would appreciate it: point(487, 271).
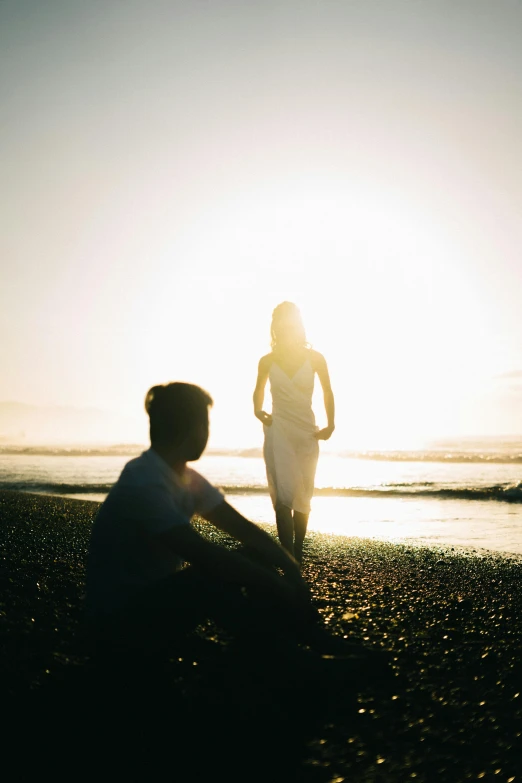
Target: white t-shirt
point(148, 498)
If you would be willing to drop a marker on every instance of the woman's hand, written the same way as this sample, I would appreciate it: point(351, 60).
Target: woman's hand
point(325, 433)
point(263, 417)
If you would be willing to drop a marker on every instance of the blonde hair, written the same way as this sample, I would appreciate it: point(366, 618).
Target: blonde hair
point(284, 315)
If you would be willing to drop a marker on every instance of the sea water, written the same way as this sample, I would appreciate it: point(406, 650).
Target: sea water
point(465, 496)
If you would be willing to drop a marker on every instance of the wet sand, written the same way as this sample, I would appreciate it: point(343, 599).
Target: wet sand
point(452, 710)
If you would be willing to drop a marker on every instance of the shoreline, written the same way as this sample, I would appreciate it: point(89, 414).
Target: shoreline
point(420, 543)
point(451, 620)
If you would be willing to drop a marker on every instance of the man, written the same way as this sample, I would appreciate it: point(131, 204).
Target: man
point(136, 593)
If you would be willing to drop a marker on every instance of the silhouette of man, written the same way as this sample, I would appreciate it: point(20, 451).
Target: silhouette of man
point(138, 594)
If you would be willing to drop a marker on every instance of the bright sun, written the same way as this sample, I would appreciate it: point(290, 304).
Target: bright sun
point(379, 286)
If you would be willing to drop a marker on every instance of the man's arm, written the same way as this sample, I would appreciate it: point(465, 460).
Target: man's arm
point(226, 518)
point(227, 566)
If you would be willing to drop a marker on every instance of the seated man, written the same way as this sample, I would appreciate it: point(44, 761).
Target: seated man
point(137, 596)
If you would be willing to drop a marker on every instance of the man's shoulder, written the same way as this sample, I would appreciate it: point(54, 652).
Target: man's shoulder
point(137, 483)
point(138, 491)
point(138, 471)
point(194, 480)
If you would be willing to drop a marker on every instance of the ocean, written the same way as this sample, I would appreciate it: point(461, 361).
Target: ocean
point(467, 493)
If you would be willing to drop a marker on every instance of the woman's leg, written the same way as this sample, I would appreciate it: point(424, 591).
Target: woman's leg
point(285, 528)
point(300, 526)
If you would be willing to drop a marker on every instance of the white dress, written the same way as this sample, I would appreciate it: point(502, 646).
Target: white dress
point(290, 448)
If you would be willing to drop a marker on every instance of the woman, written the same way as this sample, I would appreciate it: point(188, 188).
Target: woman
point(291, 445)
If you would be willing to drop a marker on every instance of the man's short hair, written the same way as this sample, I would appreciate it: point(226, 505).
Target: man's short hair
point(175, 409)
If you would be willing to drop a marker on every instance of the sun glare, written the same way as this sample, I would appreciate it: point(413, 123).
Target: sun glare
point(383, 292)
point(378, 284)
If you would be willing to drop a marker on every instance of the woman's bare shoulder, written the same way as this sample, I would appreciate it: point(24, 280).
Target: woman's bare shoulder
point(266, 361)
point(317, 359)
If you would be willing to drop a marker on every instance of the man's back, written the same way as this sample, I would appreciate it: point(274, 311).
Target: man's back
point(148, 498)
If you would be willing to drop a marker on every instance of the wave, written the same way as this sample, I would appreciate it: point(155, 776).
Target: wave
point(507, 493)
point(120, 450)
point(509, 456)
point(500, 458)
point(51, 488)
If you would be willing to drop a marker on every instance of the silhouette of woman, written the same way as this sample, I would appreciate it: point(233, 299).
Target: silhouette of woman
point(291, 447)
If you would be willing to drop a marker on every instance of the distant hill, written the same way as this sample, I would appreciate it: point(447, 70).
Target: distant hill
point(21, 423)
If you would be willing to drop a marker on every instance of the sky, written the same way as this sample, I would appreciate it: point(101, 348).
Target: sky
point(170, 171)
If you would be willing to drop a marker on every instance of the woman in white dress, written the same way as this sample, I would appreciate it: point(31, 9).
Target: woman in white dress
point(291, 447)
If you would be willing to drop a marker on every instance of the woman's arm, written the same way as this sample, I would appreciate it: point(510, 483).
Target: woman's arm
point(321, 369)
point(259, 391)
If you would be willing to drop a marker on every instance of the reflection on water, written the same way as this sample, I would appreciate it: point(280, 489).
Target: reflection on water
point(458, 523)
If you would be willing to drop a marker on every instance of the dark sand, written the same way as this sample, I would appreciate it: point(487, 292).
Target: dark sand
point(452, 712)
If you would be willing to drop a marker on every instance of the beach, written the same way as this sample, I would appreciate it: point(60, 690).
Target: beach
point(450, 618)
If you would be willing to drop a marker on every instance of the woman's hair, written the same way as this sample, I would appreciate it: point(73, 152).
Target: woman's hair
point(287, 318)
point(175, 409)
